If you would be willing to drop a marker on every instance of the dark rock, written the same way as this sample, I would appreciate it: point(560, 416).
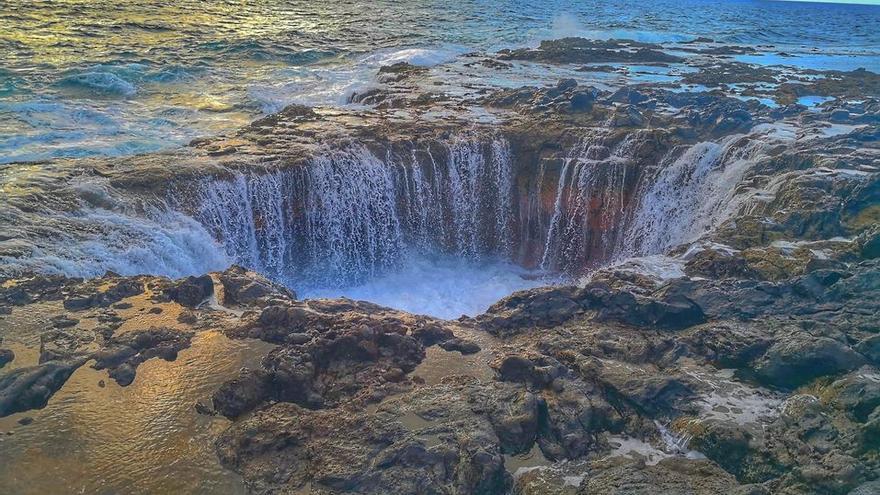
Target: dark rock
point(868, 488)
point(204, 410)
point(191, 291)
point(628, 95)
point(432, 334)
point(290, 113)
point(408, 446)
point(62, 321)
point(187, 317)
point(328, 365)
point(6, 357)
point(242, 394)
point(242, 287)
point(65, 344)
point(31, 387)
point(463, 346)
point(626, 116)
point(672, 476)
point(124, 374)
point(870, 245)
point(797, 357)
point(584, 51)
point(540, 374)
point(90, 296)
point(870, 348)
point(124, 353)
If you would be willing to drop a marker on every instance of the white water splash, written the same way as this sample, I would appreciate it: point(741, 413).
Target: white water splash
point(440, 286)
point(692, 193)
point(94, 241)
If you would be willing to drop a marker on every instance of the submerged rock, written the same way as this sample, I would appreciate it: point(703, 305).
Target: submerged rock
point(31, 387)
point(6, 357)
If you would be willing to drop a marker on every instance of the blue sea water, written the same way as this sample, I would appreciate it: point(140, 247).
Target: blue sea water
point(81, 78)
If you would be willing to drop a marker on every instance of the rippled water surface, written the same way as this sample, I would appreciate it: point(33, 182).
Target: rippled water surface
point(105, 77)
point(97, 437)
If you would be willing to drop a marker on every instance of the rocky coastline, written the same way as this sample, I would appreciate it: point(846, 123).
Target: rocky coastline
point(753, 369)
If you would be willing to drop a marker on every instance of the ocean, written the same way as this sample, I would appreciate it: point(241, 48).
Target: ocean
point(116, 78)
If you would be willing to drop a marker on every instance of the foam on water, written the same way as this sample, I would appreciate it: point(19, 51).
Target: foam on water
point(334, 83)
point(441, 286)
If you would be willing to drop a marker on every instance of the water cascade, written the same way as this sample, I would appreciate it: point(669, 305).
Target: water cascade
point(349, 215)
point(354, 217)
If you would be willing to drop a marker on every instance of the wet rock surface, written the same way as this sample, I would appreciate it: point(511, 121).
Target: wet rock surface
point(581, 51)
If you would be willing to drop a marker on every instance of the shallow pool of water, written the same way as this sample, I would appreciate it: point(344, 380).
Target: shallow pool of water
point(144, 438)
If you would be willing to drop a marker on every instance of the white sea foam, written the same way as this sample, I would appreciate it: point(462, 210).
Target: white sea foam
point(166, 243)
point(441, 286)
point(423, 57)
point(101, 82)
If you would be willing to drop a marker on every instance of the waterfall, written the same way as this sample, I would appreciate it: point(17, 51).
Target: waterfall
point(591, 202)
point(353, 225)
point(348, 215)
point(612, 204)
point(247, 215)
point(693, 192)
point(354, 212)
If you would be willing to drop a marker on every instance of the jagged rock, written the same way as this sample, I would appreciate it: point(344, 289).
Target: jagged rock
point(243, 287)
point(626, 116)
point(63, 321)
point(628, 95)
point(124, 353)
point(797, 357)
point(329, 364)
point(583, 51)
point(520, 369)
point(404, 447)
point(565, 97)
point(242, 394)
point(65, 344)
point(90, 295)
point(460, 345)
point(290, 113)
point(869, 488)
point(675, 475)
point(728, 345)
point(870, 348)
point(429, 335)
